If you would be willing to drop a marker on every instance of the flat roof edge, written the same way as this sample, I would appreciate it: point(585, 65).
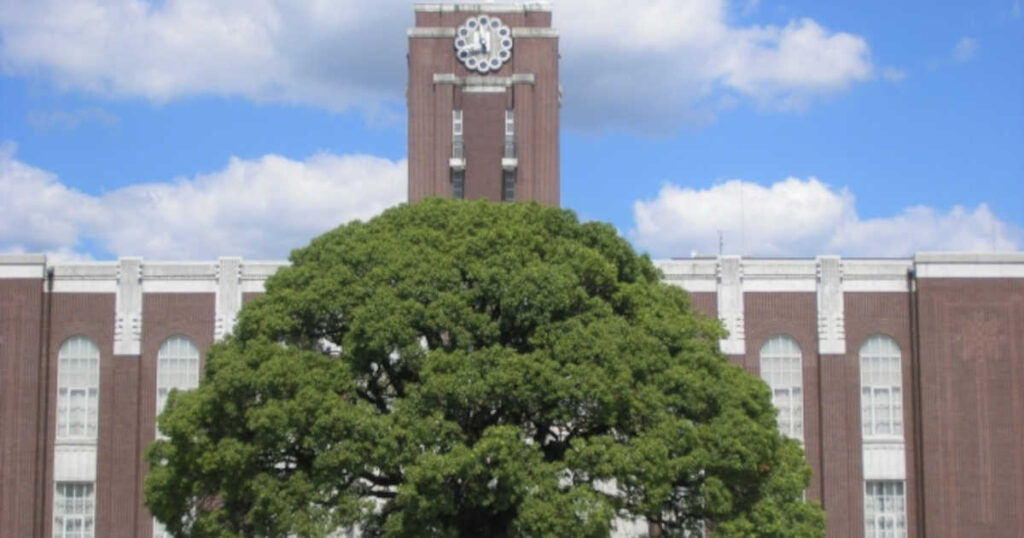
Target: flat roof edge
point(483, 8)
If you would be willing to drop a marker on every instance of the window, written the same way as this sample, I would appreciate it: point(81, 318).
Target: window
point(177, 367)
point(457, 134)
point(78, 388)
point(510, 134)
point(884, 509)
point(456, 122)
point(881, 394)
point(73, 508)
point(508, 185)
point(782, 370)
point(458, 184)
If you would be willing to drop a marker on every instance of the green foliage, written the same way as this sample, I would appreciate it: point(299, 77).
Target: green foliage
point(503, 371)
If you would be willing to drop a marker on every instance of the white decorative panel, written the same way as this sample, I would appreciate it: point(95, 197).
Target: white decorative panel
point(229, 295)
point(831, 330)
point(730, 304)
point(128, 321)
point(884, 461)
point(74, 463)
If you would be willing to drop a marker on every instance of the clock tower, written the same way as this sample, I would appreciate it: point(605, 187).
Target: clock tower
point(483, 100)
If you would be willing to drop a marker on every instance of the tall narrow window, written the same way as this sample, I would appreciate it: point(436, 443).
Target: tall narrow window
point(73, 510)
point(884, 509)
point(457, 134)
point(458, 172)
point(458, 184)
point(510, 134)
point(177, 367)
point(508, 185)
point(781, 369)
point(881, 394)
point(78, 389)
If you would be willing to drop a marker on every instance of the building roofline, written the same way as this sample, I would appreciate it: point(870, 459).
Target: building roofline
point(483, 8)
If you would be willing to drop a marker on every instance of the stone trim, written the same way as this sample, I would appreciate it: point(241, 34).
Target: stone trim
point(443, 32)
point(831, 319)
point(483, 8)
point(128, 316)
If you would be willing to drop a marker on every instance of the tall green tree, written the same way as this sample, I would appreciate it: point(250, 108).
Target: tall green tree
point(457, 369)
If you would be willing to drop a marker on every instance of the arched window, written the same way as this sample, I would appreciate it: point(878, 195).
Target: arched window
point(782, 369)
point(78, 389)
point(881, 388)
point(177, 367)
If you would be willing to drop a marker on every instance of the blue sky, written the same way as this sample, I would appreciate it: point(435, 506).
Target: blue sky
point(179, 129)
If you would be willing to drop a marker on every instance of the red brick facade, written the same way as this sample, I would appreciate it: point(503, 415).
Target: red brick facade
point(959, 326)
point(527, 84)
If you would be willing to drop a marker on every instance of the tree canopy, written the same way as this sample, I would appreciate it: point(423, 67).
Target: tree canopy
point(457, 369)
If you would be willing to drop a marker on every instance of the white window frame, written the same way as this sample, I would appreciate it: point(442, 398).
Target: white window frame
point(881, 389)
point(82, 505)
point(510, 123)
point(781, 367)
point(180, 352)
point(509, 151)
point(885, 509)
point(78, 390)
point(457, 122)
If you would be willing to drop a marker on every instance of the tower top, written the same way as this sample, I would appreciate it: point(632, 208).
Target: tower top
point(483, 102)
point(504, 7)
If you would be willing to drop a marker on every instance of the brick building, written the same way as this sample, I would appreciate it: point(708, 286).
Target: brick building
point(903, 378)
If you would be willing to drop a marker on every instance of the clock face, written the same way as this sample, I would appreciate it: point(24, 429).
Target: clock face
point(483, 43)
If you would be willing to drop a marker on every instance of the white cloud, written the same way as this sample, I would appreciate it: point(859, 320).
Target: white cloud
point(312, 52)
point(651, 63)
point(1015, 9)
point(48, 120)
point(258, 208)
point(796, 217)
point(662, 62)
point(965, 49)
point(893, 74)
point(37, 212)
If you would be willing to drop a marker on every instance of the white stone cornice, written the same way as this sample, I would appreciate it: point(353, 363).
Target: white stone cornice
point(22, 266)
point(780, 275)
point(484, 81)
point(179, 277)
point(693, 275)
point(98, 277)
point(444, 32)
point(483, 8)
point(876, 275)
point(969, 265)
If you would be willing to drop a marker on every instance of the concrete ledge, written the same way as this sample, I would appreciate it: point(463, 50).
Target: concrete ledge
point(483, 8)
point(430, 32)
point(474, 81)
point(443, 32)
point(22, 259)
point(22, 266)
point(969, 257)
point(969, 265)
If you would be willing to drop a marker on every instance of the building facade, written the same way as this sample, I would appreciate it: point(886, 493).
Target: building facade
point(902, 378)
